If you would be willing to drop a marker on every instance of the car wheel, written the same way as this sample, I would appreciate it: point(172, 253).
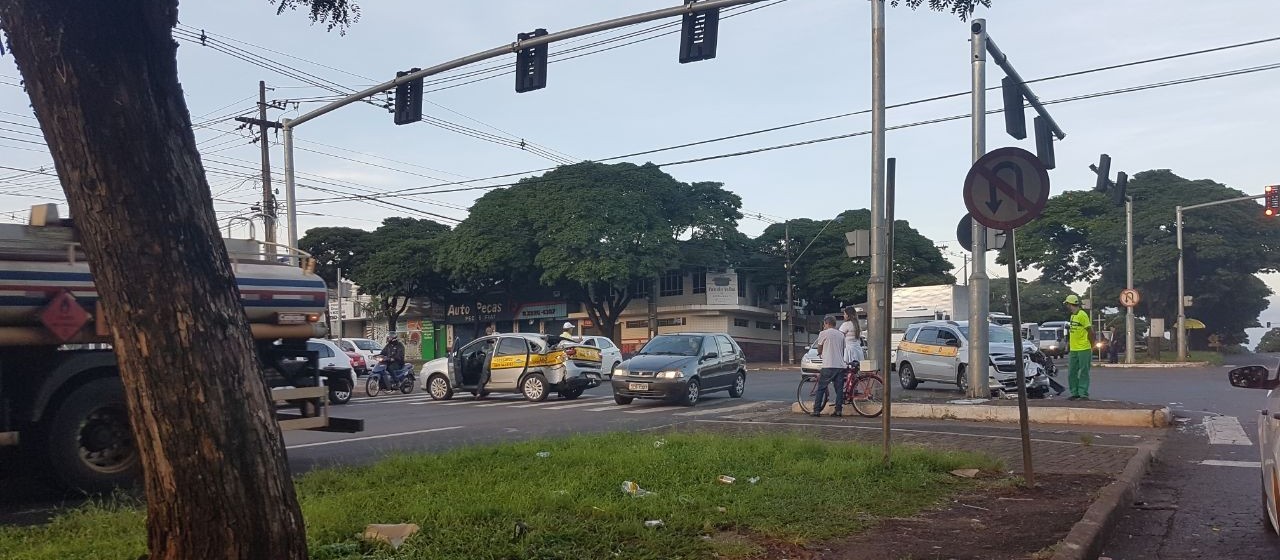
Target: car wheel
point(534, 388)
point(692, 392)
point(962, 380)
point(570, 394)
point(622, 400)
point(90, 445)
point(438, 387)
point(907, 376)
point(340, 391)
point(739, 385)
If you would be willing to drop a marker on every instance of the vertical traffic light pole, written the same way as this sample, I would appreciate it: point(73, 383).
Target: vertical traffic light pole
point(979, 283)
point(877, 282)
point(1182, 291)
point(703, 51)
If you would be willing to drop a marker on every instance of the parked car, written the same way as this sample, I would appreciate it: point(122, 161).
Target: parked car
point(534, 365)
point(610, 354)
point(335, 368)
point(1259, 377)
point(811, 362)
point(681, 368)
point(366, 347)
point(938, 351)
point(358, 363)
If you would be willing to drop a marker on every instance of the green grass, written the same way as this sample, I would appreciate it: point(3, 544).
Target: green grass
point(468, 501)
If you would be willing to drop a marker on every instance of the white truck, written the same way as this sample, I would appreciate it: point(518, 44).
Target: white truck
point(917, 304)
point(61, 400)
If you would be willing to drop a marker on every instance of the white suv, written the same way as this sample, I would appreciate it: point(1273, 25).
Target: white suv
point(939, 351)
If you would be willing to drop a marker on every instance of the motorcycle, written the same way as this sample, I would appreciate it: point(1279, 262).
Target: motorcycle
point(380, 380)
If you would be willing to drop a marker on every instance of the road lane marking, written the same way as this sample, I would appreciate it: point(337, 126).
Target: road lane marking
point(610, 407)
point(1225, 430)
point(651, 409)
point(1217, 463)
point(366, 438)
point(550, 403)
point(718, 410)
point(574, 405)
point(500, 402)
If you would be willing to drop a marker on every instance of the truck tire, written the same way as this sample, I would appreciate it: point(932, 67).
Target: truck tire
point(88, 441)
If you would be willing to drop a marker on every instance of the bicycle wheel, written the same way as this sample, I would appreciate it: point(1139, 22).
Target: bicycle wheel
point(806, 392)
point(868, 399)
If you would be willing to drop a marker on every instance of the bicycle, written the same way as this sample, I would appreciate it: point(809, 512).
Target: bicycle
point(863, 390)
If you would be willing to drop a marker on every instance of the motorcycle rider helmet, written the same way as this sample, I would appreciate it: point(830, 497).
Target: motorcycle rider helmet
point(391, 336)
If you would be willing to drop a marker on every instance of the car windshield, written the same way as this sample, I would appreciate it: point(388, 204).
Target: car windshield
point(673, 345)
point(996, 335)
point(365, 344)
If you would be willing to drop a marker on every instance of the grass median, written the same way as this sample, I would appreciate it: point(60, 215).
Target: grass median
point(469, 502)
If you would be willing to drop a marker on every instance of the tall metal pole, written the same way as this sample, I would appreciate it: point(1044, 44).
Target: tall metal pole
point(1015, 309)
point(1128, 317)
point(979, 283)
point(289, 197)
point(876, 316)
point(339, 329)
point(268, 197)
point(1182, 299)
point(889, 199)
point(791, 301)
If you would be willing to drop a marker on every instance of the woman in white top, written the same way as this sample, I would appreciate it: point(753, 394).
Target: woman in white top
point(852, 335)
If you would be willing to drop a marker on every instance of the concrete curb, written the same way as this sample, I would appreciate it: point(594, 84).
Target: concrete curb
point(1089, 535)
point(1155, 366)
point(1077, 416)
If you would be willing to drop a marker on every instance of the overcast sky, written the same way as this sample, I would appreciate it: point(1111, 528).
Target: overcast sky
point(786, 62)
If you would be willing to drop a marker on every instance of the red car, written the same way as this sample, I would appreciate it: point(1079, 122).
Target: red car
point(358, 364)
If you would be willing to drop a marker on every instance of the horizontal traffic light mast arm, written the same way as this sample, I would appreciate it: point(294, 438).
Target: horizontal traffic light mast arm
point(1217, 202)
point(687, 8)
point(1000, 58)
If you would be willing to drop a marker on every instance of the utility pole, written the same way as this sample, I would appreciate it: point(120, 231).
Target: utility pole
point(268, 197)
point(791, 302)
point(1129, 338)
point(339, 329)
point(979, 283)
point(876, 318)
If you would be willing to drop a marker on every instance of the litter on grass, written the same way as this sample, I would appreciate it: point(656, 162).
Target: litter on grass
point(393, 534)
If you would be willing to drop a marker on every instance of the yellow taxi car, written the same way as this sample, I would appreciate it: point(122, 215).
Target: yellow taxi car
point(534, 365)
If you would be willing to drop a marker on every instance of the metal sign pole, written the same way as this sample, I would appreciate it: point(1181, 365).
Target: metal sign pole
point(1015, 307)
point(1129, 338)
point(885, 421)
point(979, 283)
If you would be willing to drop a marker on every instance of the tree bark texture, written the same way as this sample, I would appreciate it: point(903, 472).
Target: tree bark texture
point(102, 77)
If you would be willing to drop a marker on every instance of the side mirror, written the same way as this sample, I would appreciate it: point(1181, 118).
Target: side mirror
point(710, 355)
point(1253, 377)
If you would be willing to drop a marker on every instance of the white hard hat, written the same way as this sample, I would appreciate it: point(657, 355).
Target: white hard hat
point(568, 325)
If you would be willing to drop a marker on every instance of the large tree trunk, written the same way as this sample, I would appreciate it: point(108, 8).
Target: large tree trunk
point(103, 79)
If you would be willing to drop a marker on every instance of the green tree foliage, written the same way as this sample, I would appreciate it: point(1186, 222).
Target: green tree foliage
point(961, 8)
point(1270, 341)
point(336, 248)
point(1081, 238)
point(1041, 300)
point(826, 277)
point(595, 230)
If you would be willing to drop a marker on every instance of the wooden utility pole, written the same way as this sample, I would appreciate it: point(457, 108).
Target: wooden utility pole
point(268, 197)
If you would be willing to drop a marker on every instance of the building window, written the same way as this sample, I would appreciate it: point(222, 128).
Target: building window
point(741, 323)
point(742, 286)
point(673, 322)
point(700, 282)
point(671, 284)
point(641, 324)
point(640, 288)
point(766, 325)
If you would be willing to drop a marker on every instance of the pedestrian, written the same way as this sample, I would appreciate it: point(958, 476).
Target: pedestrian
point(830, 347)
point(1113, 347)
point(852, 337)
point(1081, 355)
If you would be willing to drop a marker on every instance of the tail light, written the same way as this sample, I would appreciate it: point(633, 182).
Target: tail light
point(571, 352)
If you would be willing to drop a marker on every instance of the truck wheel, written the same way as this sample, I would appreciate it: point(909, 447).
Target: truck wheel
point(89, 443)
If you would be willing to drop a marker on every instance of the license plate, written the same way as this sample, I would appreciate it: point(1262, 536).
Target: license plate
point(637, 386)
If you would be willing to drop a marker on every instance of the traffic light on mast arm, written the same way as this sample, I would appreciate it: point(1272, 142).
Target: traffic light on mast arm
point(1272, 200)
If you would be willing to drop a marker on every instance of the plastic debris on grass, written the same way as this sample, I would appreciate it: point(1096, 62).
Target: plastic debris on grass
point(392, 534)
point(659, 443)
point(634, 489)
point(753, 479)
point(965, 473)
point(654, 523)
point(543, 454)
point(725, 479)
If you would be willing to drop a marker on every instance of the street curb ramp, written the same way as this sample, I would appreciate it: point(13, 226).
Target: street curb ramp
point(1090, 534)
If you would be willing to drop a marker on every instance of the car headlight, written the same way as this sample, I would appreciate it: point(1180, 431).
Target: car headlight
point(670, 374)
point(619, 370)
point(1099, 345)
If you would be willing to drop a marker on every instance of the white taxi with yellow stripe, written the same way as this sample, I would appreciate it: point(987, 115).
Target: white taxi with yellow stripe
point(938, 351)
point(534, 365)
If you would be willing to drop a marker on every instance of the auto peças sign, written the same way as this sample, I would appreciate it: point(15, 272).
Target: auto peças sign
point(479, 311)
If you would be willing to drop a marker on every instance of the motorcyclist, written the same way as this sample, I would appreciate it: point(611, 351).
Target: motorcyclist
point(392, 358)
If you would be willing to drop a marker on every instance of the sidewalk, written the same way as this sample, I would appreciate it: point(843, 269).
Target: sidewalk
point(1084, 479)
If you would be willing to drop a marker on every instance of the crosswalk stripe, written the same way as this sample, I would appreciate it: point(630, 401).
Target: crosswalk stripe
point(574, 405)
point(1225, 430)
point(610, 407)
point(1217, 463)
point(552, 404)
point(651, 409)
point(718, 410)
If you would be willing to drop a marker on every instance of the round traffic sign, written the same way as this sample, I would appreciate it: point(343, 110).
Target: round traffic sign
point(1129, 297)
point(1006, 188)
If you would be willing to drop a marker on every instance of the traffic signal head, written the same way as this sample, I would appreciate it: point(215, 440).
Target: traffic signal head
point(1015, 120)
point(1272, 200)
point(1104, 172)
point(1122, 184)
point(698, 34)
point(531, 63)
point(408, 104)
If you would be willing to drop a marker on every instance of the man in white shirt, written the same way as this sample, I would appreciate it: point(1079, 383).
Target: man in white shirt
point(830, 347)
